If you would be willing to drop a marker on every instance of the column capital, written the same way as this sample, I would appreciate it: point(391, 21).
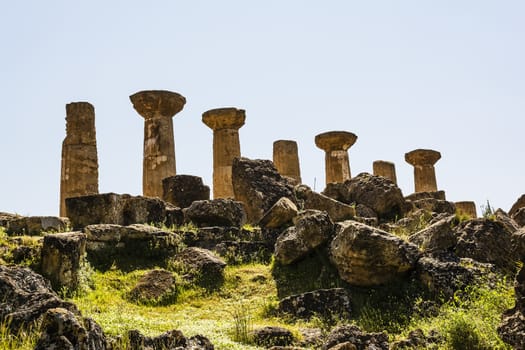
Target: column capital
point(157, 103)
point(335, 140)
point(224, 118)
point(422, 157)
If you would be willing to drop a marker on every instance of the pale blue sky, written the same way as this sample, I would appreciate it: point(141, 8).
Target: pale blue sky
point(446, 75)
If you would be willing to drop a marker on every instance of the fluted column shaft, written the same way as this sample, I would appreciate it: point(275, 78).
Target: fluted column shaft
point(336, 145)
point(286, 159)
point(423, 161)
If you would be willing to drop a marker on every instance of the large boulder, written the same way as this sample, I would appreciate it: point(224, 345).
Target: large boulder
point(26, 297)
point(272, 336)
point(6, 218)
point(202, 266)
point(62, 329)
point(112, 208)
point(312, 229)
point(156, 287)
point(487, 241)
point(36, 225)
point(173, 339)
point(182, 190)
point(258, 185)
point(337, 210)
point(325, 303)
point(376, 192)
point(280, 214)
point(367, 256)
point(512, 327)
point(353, 335)
point(216, 212)
point(439, 236)
point(62, 256)
point(520, 203)
point(434, 206)
point(519, 217)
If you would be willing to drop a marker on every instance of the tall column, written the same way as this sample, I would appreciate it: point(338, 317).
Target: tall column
point(467, 208)
point(158, 108)
point(286, 159)
point(423, 161)
point(385, 169)
point(79, 169)
point(336, 145)
point(225, 123)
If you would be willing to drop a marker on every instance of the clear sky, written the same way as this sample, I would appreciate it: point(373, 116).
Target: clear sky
point(447, 75)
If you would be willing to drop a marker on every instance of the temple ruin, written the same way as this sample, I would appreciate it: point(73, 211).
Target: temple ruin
point(157, 107)
point(423, 161)
point(286, 159)
point(225, 123)
point(79, 173)
point(336, 145)
point(385, 169)
point(467, 208)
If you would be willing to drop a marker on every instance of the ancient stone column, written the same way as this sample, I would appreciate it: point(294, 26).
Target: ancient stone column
point(79, 170)
point(336, 145)
point(286, 159)
point(423, 161)
point(467, 208)
point(385, 169)
point(158, 108)
point(225, 123)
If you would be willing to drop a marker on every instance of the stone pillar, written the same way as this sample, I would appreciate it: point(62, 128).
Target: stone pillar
point(286, 159)
point(158, 108)
point(423, 161)
point(336, 145)
point(225, 123)
point(79, 169)
point(466, 208)
point(385, 169)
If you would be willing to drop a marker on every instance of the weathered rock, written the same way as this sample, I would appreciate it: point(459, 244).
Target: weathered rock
point(6, 218)
point(62, 329)
point(512, 327)
point(509, 224)
point(312, 229)
point(445, 274)
point(174, 216)
point(353, 335)
point(325, 303)
point(376, 192)
point(486, 241)
point(272, 336)
point(112, 208)
point(520, 203)
point(129, 246)
point(435, 206)
point(62, 256)
point(466, 209)
point(155, 287)
point(259, 186)
point(216, 212)
point(173, 339)
point(437, 237)
point(440, 195)
point(35, 225)
point(280, 214)
point(26, 296)
point(418, 340)
point(367, 256)
point(337, 211)
point(201, 265)
point(242, 252)
point(519, 217)
point(344, 346)
point(182, 190)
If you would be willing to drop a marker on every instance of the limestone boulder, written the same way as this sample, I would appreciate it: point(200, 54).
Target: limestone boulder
point(216, 212)
point(202, 266)
point(520, 203)
point(156, 287)
point(439, 195)
point(36, 225)
point(62, 329)
point(439, 236)
point(487, 241)
point(519, 217)
point(182, 190)
point(242, 252)
point(324, 303)
point(312, 229)
point(512, 327)
point(173, 339)
point(353, 335)
point(367, 256)
point(416, 339)
point(259, 186)
point(272, 336)
point(62, 256)
point(337, 210)
point(504, 219)
point(376, 192)
point(6, 218)
point(434, 206)
point(280, 214)
point(26, 297)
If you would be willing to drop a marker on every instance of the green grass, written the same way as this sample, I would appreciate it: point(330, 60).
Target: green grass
point(23, 340)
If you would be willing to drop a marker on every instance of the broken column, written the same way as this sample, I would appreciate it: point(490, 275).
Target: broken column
point(225, 123)
point(286, 159)
point(336, 145)
point(423, 161)
point(79, 169)
point(467, 208)
point(385, 169)
point(158, 108)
